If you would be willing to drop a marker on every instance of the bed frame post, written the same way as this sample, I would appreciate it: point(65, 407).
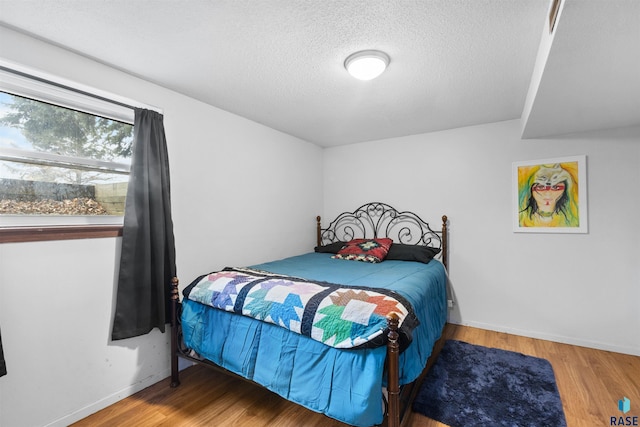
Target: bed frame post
point(393, 381)
point(445, 243)
point(318, 231)
point(175, 299)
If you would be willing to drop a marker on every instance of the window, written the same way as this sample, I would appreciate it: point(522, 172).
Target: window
point(65, 155)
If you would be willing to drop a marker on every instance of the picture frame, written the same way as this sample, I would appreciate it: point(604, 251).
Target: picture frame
point(550, 195)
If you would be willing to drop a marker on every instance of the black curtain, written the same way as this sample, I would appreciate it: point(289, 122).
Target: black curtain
point(147, 261)
point(3, 365)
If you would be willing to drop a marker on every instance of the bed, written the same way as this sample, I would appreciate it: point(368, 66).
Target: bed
point(358, 317)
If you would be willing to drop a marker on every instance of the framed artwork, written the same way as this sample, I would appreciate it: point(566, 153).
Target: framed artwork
point(550, 195)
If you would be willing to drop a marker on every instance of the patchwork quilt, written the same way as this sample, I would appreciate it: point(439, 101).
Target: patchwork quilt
point(339, 316)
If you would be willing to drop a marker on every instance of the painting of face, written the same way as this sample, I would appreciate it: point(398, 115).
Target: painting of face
point(548, 195)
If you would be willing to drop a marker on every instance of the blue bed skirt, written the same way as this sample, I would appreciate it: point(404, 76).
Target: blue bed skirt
point(342, 384)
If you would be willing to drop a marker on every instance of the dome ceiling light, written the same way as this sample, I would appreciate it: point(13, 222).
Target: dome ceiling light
point(366, 64)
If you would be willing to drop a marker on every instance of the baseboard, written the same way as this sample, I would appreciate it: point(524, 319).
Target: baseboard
point(109, 400)
point(551, 337)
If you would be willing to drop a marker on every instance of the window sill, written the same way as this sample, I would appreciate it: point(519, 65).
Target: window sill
point(39, 234)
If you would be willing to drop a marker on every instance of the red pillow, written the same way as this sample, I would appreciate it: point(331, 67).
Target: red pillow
point(367, 250)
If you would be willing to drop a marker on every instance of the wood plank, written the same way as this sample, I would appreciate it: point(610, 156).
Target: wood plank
point(40, 234)
point(590, 383)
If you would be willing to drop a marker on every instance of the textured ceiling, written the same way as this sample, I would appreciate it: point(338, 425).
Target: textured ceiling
point(453, 63)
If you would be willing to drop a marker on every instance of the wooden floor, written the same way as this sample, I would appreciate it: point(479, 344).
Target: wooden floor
point(590, 383)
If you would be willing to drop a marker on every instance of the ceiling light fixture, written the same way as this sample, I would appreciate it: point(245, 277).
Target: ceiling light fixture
point(367, 64)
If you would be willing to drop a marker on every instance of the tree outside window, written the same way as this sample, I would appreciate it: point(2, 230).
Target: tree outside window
point(59, 161)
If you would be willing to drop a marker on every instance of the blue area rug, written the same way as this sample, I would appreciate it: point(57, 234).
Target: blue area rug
point(470, 385)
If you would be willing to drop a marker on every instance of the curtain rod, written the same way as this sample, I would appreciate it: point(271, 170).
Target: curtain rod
point(72, 89)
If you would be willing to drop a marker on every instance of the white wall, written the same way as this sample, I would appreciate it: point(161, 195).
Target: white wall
point(581, 289)
point(242, 193)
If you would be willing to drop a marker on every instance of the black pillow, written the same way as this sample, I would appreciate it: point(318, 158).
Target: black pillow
point(331, 248)
point(402, 252)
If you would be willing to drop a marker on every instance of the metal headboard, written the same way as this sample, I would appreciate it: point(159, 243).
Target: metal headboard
point(376, 219)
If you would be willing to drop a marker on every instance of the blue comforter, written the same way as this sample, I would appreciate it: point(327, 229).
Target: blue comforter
point(343, 384)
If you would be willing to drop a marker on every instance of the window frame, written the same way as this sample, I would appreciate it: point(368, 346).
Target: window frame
point(68, 232)
point(18, 80)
